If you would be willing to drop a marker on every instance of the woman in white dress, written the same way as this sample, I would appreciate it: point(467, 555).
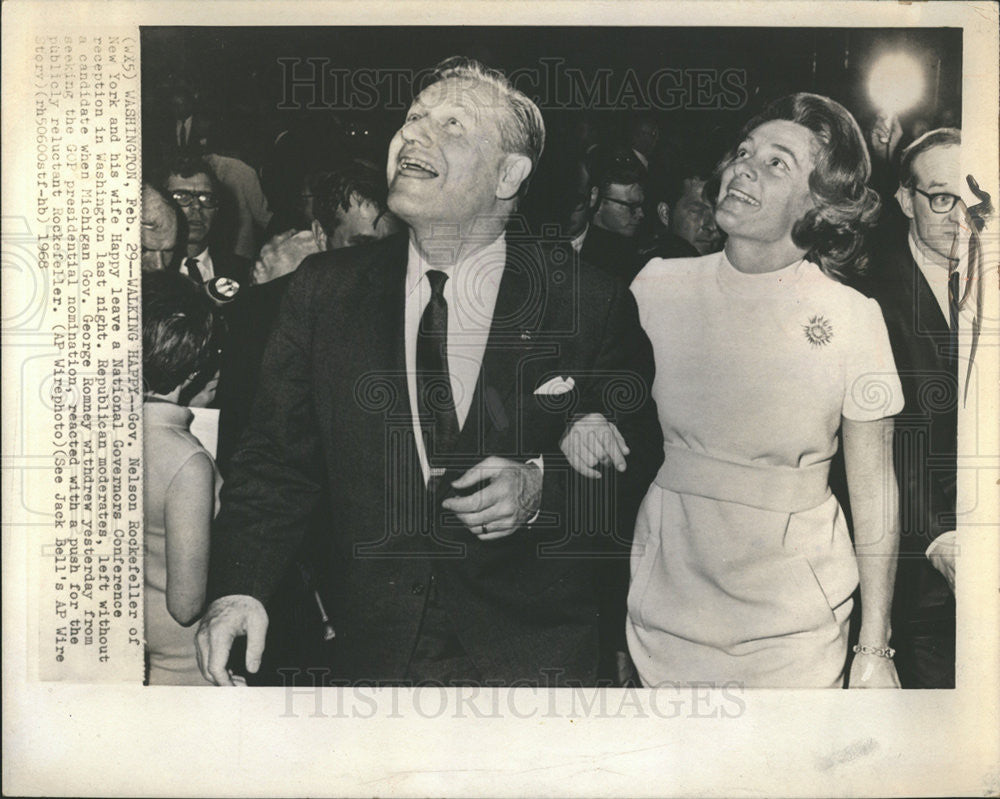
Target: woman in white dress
point(743, 568)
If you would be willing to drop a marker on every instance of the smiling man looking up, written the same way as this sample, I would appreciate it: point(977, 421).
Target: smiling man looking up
point(423, 384)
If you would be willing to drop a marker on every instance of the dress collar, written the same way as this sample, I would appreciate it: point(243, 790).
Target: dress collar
point(754, 284)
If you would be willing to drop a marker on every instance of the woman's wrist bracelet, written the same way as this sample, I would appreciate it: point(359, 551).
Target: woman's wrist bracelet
point(879, 651)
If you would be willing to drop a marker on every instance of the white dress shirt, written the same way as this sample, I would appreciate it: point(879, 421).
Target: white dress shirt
point(471, 293)
point(935, 271)
point(204, 266)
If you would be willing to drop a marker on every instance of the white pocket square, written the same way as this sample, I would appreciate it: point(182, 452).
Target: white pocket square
point(557, 385)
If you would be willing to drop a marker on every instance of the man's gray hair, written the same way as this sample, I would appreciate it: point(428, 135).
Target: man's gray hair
point(933, 138)
point(522, 130)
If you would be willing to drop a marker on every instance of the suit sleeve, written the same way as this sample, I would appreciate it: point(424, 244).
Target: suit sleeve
point(626, 398)
point(276, 473)
point(618, 385)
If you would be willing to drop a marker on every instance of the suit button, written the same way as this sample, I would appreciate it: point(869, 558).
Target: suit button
point(417, 588)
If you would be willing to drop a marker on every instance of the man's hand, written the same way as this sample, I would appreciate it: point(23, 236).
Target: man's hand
point(593, 440)
point(942, 554)
point(872, 671)
point(511, 496)
point(226, 618)
point(884, 136)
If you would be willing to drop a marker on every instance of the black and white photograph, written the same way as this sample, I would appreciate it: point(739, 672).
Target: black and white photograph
point(698, 423)
point(598, 389)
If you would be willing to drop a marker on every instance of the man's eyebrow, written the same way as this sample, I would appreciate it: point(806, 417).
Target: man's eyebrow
point(936, 183)
point(469, 106)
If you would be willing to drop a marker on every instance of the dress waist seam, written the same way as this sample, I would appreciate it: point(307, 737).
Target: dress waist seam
point(785, 489)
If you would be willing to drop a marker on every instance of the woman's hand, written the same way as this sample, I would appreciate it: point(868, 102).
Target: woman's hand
point(593, 440)
point(872, 671)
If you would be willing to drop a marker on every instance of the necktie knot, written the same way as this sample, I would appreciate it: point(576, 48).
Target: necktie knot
point(437, 280)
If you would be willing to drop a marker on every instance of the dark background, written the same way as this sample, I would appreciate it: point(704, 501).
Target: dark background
point(237, 75)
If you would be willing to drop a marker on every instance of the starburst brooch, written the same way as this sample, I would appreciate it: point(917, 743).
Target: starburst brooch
point(819, 331)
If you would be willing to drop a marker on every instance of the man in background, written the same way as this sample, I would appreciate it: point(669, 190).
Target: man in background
point(617, 199)
point(921, 278)
point(192, 185)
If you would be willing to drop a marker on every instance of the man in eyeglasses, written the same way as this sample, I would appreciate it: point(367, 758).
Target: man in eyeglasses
point(192, 185)
point(616, 202)
point(920, 277)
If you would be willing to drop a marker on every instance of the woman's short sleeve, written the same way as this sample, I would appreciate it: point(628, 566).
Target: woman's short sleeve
point(871, 384)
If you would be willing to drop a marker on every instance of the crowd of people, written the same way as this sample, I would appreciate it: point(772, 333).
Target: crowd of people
point(486, 415)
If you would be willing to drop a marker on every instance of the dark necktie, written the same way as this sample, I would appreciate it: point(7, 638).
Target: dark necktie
point(435, 402)
point(953, 308)
point(193, 271)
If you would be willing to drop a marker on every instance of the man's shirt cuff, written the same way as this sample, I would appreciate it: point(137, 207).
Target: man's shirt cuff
point(540, 463)
point(945, 539)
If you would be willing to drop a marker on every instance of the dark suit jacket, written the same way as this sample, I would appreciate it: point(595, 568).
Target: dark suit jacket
point(616, 254)
point(667, 245)
point(333, 415)
point(228, 264)
point(249, 317)
point(926, 430)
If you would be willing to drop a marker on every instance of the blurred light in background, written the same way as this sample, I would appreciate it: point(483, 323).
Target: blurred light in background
point(896, 83)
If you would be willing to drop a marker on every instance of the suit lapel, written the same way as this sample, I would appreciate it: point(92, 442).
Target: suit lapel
point(381, 313)
point(928, 318)
point(517, 318)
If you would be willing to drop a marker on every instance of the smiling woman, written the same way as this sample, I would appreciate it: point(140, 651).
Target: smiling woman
point(742, 565)
point(800, 176)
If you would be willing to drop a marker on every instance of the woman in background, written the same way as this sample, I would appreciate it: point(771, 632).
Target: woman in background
point(743, 569)
point(180, 337)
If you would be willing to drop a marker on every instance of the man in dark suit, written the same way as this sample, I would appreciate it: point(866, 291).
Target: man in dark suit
point(919, 280)
point(424, 384)
point(193, 186)
point(616, 202)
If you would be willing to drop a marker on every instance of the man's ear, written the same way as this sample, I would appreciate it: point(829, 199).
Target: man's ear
point(904, 197)
point(595, 192)
point(322, 240)
point(514, 170)
point(663, 213)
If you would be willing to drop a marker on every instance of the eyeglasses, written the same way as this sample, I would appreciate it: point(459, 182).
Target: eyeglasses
point(205, 199)
point(632, 207)
point(941, 202)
